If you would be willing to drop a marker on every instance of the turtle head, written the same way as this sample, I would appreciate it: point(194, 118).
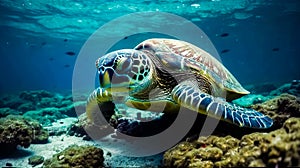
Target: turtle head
point(125, 70)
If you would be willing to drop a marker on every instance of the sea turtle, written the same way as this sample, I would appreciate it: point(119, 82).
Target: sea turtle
point(172, 73)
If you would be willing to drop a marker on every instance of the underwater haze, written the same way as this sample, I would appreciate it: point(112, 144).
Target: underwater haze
point(257, 40)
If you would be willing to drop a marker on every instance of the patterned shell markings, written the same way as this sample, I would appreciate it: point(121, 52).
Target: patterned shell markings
point(197, 58)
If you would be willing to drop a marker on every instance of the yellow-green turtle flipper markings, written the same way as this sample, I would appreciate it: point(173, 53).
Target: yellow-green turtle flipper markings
point(172, 73)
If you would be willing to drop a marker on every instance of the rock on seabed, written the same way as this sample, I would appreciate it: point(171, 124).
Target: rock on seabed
point(77, 156)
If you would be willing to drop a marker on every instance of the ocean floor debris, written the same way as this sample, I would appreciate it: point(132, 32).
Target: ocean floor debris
point(279, 148)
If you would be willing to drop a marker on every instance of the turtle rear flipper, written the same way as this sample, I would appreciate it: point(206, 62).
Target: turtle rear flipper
point(204, 103)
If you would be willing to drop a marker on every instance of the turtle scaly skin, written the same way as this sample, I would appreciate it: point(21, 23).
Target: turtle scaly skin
point(164, 74)
point(206, 104)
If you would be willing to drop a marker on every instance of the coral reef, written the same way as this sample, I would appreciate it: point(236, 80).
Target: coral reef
point(10, 101)
point(46, 115)
point(44, 106)
point(229, 146)
point(5, 111)
point(280, 108)
point(263, 92)
point(251, 99)
point(279, 148)
point(77, 156)
point(289, 88)
point(17, 130)
point(27, 100)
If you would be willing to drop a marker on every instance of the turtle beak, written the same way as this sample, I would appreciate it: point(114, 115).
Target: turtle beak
point(114, 82)
point(105, 79)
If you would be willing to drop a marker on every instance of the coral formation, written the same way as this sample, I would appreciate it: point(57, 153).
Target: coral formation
point(77, 156)
point(17, 130)
point(264, 92)
point(279, 148)
point(46, 115)
point(251, 99)
point(44, 106)
point(289, 88)
point(280, 108)
point(11, 101)
point(5, 111)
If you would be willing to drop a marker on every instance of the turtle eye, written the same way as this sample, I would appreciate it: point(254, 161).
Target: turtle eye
point(124, 65)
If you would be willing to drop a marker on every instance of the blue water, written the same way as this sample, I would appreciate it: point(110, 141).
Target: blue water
point(258, 40)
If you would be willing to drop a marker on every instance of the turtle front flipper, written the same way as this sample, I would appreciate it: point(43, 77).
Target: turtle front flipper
point(100, 101)
point(204, 103)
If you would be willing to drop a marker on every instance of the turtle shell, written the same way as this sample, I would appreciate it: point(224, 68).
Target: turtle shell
point(181, 56)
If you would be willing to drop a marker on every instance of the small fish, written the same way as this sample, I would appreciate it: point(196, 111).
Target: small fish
point(65, 40)
point(125, 37)
point(225, 51)
point(70, 53)
point(43, 43)
point(67, 66)
point(275, 49)
point(224, 34)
